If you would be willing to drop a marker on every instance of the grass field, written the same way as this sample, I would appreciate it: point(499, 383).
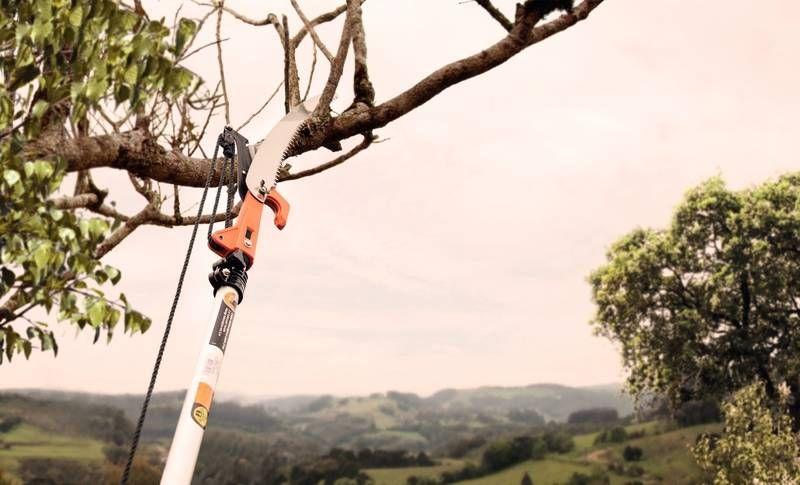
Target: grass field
point(666, 459)
point(26, 441)
point(398, 476)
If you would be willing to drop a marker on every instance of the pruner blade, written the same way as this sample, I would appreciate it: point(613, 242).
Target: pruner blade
point(274, 149)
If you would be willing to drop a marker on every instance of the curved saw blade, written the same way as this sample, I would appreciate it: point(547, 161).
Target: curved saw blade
point(273, 150)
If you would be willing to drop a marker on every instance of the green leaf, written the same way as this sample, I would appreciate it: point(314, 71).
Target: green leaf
point(97, 313)
point(27, 347)
point(96, 88)
point(131, 74)
point(42, 169)
point(22, 76)
point(184, 33)
point(76, 16)
point(41, 255)
point(11, 176)
point(113, 274)
point(7, 276)
point(39, 108)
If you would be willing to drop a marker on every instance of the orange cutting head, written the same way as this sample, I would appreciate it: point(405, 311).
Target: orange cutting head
point(243, 234)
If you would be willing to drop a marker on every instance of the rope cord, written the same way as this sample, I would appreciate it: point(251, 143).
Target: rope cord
point(140, 424)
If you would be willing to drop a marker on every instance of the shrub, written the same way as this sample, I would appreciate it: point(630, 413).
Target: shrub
point(594, 415)
point(632, 453)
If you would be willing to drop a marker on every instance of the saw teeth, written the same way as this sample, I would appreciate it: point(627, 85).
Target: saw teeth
point(290, 147)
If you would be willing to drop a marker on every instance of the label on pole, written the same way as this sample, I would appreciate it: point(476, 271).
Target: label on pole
point(222, 327)
point(202, 404)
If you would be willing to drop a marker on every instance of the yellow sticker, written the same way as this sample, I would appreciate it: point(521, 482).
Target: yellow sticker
point(230, 300)
point(200, 415)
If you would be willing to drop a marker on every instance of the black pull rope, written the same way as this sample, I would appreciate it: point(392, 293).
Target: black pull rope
point(225, 178)
point(140, 424)
point(231, 192)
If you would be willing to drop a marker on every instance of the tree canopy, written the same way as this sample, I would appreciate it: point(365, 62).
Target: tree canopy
point(702, 307)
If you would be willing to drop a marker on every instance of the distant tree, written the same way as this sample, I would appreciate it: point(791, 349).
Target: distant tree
point(424, 460)
point(115, 454)
point(594, 415)
point(596, 478)
point(319, 404)
point(527, 416)
point(9, 423)
point(526, 480)
point(461, 446)
point(558, 441)
point(58, 471)
point(702, 307)
point(632, 453)
point(617, 434)
point(696, 412)
point(758, 445)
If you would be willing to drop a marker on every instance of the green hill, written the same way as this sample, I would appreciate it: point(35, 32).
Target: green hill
point(666, 459)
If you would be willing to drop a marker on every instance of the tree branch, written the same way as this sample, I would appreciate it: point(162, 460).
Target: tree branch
point(496, 14)
point(290, 76)
point(368, 139)
point(221, 65)
point(362, 86)
point(337, 67)
point(137, 151)
point(310, 28)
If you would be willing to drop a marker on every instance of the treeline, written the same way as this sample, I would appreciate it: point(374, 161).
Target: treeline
point(503, 453)
point(101, 422)
point(340, 464)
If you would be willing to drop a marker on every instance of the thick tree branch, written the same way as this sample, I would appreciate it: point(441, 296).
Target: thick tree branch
point(137, 152)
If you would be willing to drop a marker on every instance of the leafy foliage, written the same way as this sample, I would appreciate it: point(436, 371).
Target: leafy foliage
point(702, 306)
point(758, 445)
point(62, 62)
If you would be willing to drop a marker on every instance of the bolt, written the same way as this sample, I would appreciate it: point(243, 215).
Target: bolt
point(226, 272)
point(248, 243)
point(263, 188)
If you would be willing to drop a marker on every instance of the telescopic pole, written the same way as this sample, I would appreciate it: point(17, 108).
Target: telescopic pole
point(228, 278)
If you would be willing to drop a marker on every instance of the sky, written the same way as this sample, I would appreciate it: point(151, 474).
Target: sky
point(456, 252)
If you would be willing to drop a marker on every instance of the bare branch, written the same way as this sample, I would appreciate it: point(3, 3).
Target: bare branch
point(364, 92)
point(368, 138)
point(124, 231)
point(209, 44)
point(311, 72)
point(496, 14)
point(337, 67)
point(317, 41)
point(290, 76)
point(75, 202)
point(326, 17)
point(259, 110)
point(270, 19)
point(222, 67)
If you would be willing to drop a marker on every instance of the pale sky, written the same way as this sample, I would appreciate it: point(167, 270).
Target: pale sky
point(456, 253)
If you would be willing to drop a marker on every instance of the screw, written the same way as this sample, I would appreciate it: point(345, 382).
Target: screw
point(263, 189)
point(226, 272)
point(248, 243)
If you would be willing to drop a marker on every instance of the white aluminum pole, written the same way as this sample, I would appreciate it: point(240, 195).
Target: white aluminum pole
point(197, 404)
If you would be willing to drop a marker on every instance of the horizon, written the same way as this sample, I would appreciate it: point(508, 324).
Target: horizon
point(620, 386)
